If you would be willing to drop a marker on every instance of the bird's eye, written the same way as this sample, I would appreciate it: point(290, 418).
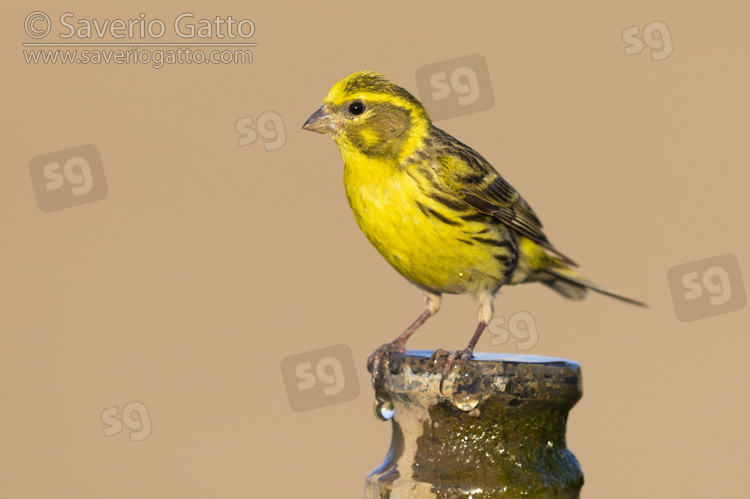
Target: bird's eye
point(357, 107)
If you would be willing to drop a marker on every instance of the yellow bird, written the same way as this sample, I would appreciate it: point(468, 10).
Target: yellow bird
point(434, 208)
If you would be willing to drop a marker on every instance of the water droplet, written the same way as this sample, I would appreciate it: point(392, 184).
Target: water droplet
point(465, 401)
point(383, 406)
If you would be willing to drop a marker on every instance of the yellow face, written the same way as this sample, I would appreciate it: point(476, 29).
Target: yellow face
point(367, 113)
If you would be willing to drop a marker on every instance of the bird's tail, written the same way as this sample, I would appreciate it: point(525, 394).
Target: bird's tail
point(573, 285)
point(538, 263)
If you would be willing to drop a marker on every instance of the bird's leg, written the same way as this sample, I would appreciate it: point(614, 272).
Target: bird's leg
point(432, 305)
point(486, 308)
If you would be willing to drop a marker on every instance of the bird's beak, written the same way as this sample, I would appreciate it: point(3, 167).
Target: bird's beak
point(322, 121)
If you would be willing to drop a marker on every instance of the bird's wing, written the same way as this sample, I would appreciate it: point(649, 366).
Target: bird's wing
point(471, 177)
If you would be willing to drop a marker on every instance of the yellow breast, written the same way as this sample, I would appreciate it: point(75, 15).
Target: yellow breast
point(431, 253)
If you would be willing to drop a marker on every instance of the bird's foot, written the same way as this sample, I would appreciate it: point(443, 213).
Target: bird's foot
point(463, 356)
point(381, 358)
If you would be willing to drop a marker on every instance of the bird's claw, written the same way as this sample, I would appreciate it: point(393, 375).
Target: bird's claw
point(463, 357)
point(382, 356)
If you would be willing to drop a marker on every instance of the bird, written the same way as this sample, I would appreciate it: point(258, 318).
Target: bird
point(436, 210)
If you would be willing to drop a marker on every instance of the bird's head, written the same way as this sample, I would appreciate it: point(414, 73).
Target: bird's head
point(368, 114)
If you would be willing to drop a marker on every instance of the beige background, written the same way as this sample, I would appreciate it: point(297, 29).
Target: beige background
point(208, 263)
